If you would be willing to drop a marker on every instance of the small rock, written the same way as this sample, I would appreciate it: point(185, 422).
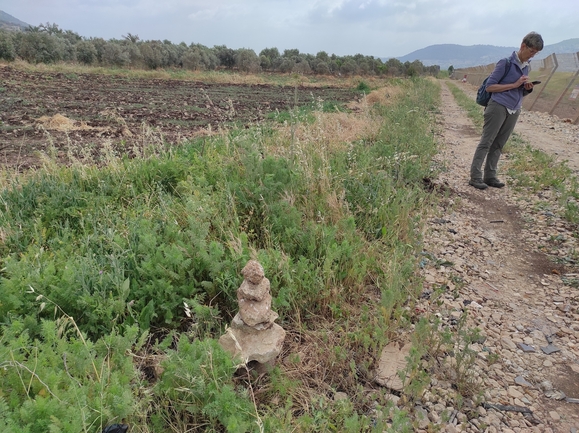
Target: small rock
point(526, 348)
point(392, 359)
point(508, 343)
point(520, 380)
point(422, 417)
point(515, 393)
point(550, 349)
point(253, 272)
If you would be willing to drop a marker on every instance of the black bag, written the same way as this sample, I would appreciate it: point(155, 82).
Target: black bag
point(482, 96)
point(116, 428)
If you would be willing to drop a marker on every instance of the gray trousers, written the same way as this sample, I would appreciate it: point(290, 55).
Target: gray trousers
point(498, 127)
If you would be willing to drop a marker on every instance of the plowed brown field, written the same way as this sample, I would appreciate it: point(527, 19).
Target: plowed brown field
point(79, 113)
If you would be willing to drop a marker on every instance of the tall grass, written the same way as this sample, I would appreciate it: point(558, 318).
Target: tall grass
point(331, 206)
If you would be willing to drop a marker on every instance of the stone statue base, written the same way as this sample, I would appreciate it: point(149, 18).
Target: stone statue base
point(247, 344)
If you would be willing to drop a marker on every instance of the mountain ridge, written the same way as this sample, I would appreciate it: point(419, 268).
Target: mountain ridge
point(461, 56)
point(8, 22)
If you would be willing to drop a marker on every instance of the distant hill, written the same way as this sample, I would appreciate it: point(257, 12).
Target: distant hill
point(461, 56)
point(566, 46)
point(8, 22)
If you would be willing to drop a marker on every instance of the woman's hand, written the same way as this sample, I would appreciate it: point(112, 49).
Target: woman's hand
point(523, 81)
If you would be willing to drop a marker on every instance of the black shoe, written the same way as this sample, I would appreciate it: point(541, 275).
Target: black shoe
point(478, 184)
point(495, 183)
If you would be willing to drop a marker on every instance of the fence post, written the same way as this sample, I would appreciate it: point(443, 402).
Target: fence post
point(546, 82)
point(571, 81)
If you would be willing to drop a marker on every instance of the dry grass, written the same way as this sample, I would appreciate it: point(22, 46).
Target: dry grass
point(61, 123)
point(58, 122)
point(213, 77)
point(311, 145)
point(385, 95)
point(308, 359)
point(336, 131)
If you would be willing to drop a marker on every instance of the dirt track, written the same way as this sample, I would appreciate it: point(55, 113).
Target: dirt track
point(513, 257)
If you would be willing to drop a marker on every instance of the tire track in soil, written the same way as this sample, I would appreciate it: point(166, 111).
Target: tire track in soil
point(492, 237)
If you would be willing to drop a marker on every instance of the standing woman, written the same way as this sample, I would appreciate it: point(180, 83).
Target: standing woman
point(502, 112)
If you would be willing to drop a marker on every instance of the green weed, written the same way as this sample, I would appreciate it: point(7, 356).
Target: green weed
point(197, 390)
point(155, 244)
point(363, 87)
point(65, 382)
point(449, 352)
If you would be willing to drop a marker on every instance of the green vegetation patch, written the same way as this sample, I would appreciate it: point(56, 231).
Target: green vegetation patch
point(99, 263)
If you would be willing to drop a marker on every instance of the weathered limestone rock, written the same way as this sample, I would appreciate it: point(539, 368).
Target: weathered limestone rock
point(392, 360)
point(253, 272)
point(252, 345)
point(254, 312)
point(253, 335)
point(254, 292)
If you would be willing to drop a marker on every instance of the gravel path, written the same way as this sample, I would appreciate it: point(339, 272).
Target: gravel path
point(510, 265)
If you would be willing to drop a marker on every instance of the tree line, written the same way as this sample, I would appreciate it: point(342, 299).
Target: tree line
point(48, 43)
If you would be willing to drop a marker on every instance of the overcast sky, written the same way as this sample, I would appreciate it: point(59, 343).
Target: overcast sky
point(381, 28)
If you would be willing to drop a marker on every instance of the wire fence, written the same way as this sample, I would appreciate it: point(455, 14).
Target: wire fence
point(558, 93)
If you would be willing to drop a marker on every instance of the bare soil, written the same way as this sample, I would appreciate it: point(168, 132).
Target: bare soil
point(39, 109)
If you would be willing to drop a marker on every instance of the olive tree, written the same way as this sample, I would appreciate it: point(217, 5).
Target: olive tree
point(225, 55)
point(323, 56)
point(86, 52)
point(114, 54)
point(199, 57)
point(246, 60)
point(291, 53)
point(322, 68)
point(393, 66)
point(269, 57)
point(40, 47)
point(286, 66)
point(191, 59)
point(302, 67)
point(349, 67)
point(7, 51)
point(99, 45)
point(208, 57)
point(153, 54)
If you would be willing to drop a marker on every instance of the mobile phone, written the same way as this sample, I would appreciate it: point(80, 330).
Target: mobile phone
point(536, 82)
